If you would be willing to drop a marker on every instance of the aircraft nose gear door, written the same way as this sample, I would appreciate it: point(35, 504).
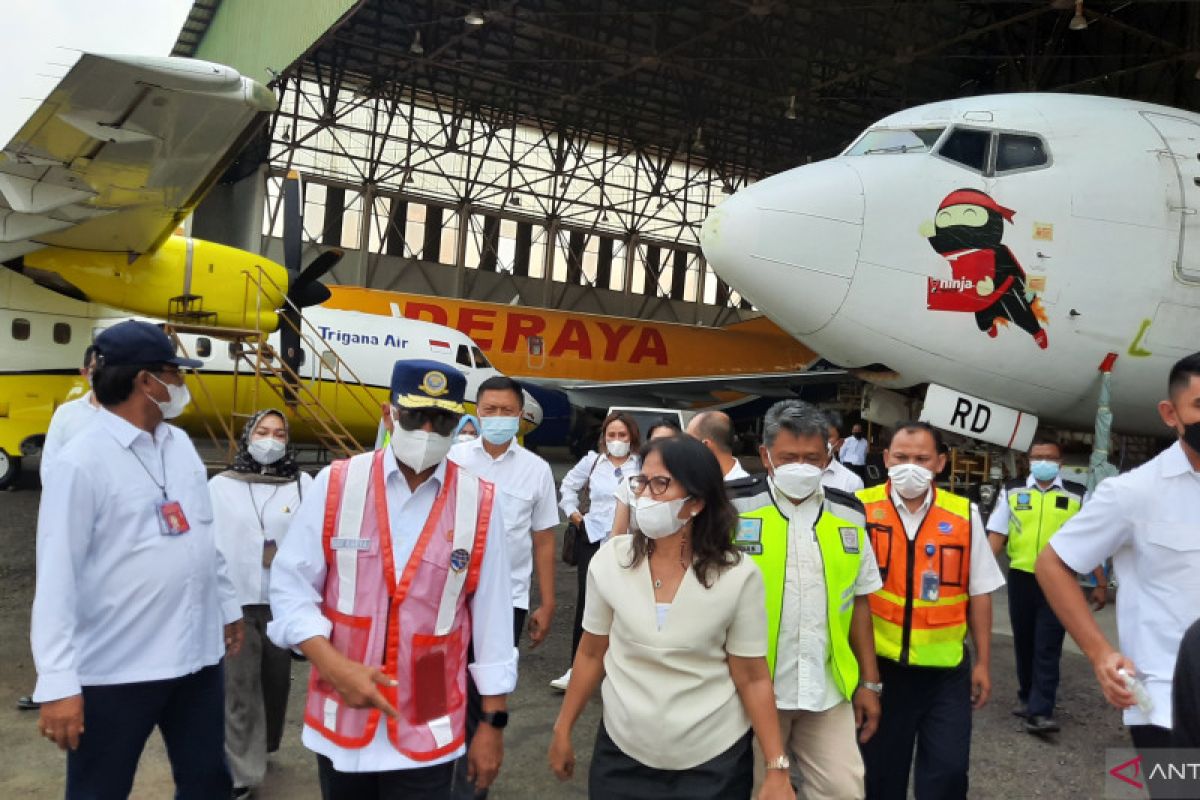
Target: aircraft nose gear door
point(1182, 139)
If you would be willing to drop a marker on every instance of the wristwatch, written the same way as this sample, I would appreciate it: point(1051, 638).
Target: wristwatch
point(497, 719)
point(877, 688)
point(779, 762)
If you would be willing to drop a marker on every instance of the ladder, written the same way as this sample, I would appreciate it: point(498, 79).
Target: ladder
point(256, 361)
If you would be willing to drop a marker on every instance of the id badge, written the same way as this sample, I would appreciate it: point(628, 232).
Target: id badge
point(930, 585)
point(268, 553)
point(171, 519)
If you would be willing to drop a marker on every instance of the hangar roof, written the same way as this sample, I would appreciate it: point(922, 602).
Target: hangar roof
point(755, 85)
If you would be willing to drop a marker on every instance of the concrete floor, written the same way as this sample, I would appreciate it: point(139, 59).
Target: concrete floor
point(1006, 762)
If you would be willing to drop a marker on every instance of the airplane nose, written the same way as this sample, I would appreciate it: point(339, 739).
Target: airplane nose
point(797, 232)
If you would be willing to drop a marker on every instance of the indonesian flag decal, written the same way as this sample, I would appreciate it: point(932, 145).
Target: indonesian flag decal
point(439, 346)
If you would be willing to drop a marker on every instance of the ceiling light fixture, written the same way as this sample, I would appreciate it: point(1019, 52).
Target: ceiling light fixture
point(791, 109)
point(698, 142)
point(474, 17)
point(416, 48)
point(1079, 21)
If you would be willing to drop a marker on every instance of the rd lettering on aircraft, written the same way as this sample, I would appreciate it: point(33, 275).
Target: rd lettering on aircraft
point(577, 338)
point(980, 419)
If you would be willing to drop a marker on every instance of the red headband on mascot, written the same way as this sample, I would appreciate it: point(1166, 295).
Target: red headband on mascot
point(973, 197)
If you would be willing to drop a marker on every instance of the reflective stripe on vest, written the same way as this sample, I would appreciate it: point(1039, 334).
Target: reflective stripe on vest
point(840, 569)
point(910, 630)
point(1035, 516)
point(417, 627)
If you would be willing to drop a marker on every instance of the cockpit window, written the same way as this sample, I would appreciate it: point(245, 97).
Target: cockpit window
point(463, 356)
point(1018, 151)
point(480, 359)
point(893, 140)
point(967, 147)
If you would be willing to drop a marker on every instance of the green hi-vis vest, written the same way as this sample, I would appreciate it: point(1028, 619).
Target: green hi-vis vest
point(762, 535)
point(1035, 516)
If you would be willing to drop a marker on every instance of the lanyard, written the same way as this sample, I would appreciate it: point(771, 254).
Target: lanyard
point(162, 487)
point(260, 512)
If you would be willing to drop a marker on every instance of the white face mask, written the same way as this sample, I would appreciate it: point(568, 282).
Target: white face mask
point(266, 450)
point(797, 481)
point(617, 448)
point(178, 399)
point(419, 450)
point(658, 518)
point(910, 480)
point(465, 437)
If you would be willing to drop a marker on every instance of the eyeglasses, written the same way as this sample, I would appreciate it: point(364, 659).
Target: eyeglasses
point(442, 422)
point(657, 485)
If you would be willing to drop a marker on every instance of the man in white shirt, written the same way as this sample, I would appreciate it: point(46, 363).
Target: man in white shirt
point(410, 548)
point(818, 570)
point(133, 610)
point(715, 430)
point(853, 452)
point(837, 475)
point(1148, 521)
point(530, 507)
point(68, 420)
point(938, 575)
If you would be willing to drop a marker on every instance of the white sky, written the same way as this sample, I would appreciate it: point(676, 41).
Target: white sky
point(41, 39)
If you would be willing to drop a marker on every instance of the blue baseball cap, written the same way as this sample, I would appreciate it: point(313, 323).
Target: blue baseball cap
point(421, 383)
point(138, 343)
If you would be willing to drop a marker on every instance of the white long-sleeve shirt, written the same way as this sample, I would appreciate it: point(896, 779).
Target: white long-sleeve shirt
point(116, 600)
point(298, 581)
point(804, 677)
point(604, 481)
point(854, 451)
point(69, 419)
point(246, 515)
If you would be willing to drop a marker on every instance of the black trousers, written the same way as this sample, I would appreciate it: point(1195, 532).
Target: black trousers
point(190, 712)
point(1037, 642)
point(931, 708)
point(1146, 740)
point(464, 788)
point(585, 550)
point(617, 776)
point(424, 783)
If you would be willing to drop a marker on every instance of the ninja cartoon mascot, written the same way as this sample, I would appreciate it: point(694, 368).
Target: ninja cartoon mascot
point(986, 278)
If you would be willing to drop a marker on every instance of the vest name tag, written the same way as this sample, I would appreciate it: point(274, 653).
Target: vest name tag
point(749, 549)
point(344, 543)
point(849, 540)
point(749, 531)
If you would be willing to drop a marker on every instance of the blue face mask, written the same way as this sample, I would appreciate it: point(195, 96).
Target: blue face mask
point(1044, 471)
point(499, 430)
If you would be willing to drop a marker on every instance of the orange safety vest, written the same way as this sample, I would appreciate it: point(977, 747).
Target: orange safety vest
point(415, 626)
point(909, 629)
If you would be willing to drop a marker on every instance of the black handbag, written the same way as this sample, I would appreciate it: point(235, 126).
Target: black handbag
point(571, 537)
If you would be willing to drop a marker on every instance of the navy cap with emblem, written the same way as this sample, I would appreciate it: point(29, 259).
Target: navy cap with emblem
point(420, 383)
point(138, 343)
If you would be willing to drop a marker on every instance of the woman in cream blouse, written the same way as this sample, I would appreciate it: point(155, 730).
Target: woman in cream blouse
point(675, 627)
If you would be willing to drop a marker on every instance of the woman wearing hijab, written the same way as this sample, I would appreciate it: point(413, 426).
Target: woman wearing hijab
point(467, 430)
point(253, 502)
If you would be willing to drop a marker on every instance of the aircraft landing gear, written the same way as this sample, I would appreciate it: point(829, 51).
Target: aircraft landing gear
point(10, 468)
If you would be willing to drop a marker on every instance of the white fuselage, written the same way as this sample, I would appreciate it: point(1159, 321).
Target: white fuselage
point(1105, 227)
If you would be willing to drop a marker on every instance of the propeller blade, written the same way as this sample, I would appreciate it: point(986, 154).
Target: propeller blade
point(292, 222)
point(310, 294)
point(320, 265)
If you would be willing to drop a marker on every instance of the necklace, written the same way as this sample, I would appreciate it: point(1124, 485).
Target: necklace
point(682, 563)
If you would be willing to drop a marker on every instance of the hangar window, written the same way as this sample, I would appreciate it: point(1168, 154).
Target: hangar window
point(62, 333)
point(892, 140)
point(480, 359)
point(967, 147)
point(203, 347)
point(20, 329)
point(463, 356)
point(1020, 151)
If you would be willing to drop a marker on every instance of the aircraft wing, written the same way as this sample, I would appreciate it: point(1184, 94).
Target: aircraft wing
point(121, 151)
point(699, 391)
